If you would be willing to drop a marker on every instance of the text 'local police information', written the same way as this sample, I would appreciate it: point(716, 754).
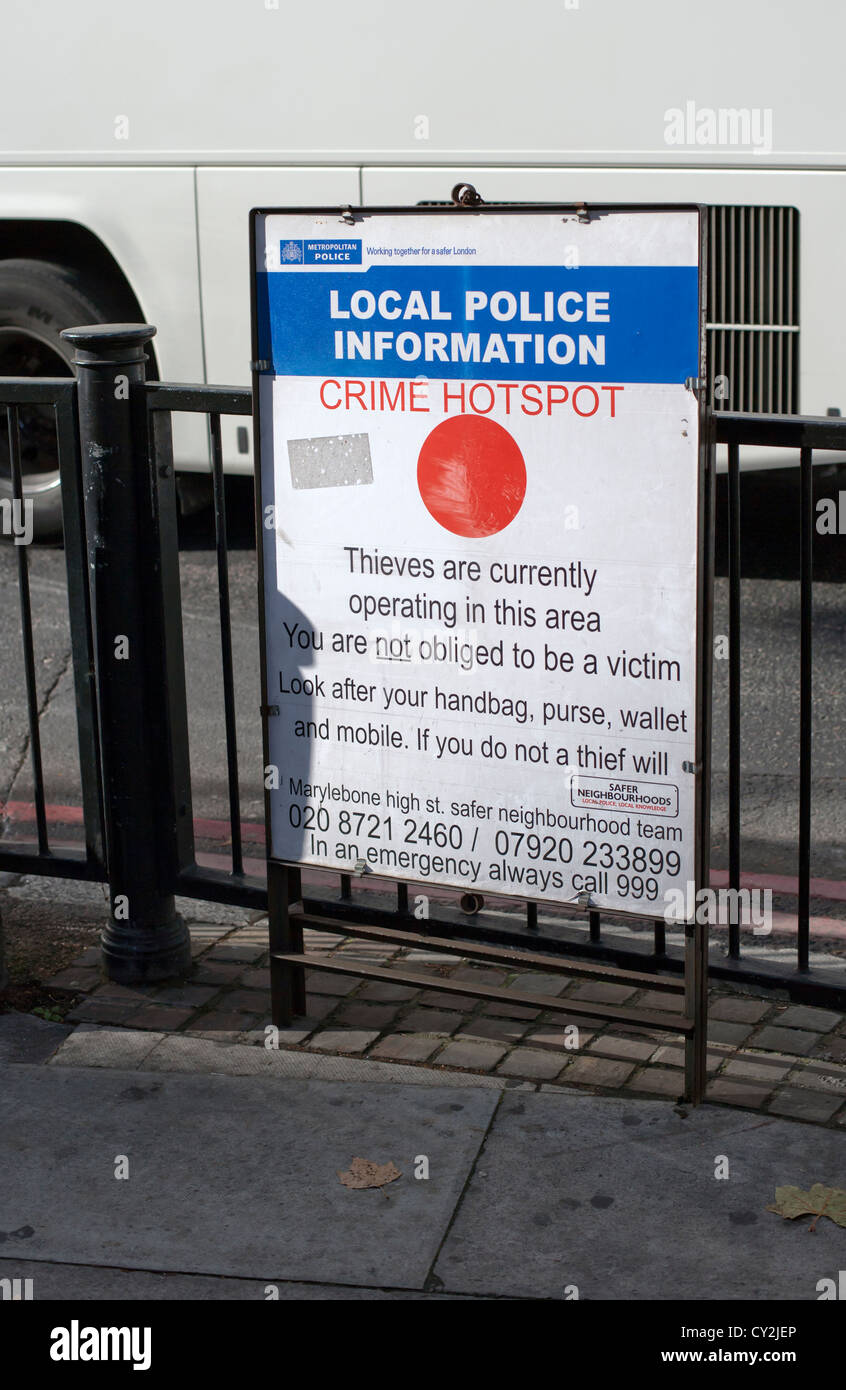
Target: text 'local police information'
point(480, 478)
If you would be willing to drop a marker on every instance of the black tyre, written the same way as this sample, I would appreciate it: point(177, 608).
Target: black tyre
point(38, 300)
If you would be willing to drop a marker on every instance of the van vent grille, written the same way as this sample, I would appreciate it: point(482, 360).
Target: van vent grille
point(753, 309)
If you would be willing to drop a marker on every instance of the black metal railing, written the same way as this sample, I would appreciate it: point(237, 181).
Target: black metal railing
point(19, 399)
point(164, 400)
point(565, 931)
point(803, 435)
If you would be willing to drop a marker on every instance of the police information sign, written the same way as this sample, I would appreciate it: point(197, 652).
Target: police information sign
point(482, 491)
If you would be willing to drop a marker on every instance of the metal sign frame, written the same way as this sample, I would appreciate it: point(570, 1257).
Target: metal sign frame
point(287, 916)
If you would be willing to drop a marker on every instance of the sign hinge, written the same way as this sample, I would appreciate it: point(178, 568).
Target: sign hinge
point(691, 767)
point(261, 366)
point(268, 710)
point(694, 383)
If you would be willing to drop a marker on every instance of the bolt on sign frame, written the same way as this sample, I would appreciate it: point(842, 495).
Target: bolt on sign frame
point(354, 319)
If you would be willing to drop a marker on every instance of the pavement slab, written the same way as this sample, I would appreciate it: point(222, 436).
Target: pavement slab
point(619, 1198)
point(231, 1176)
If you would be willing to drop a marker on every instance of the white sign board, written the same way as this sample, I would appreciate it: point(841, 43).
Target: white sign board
point(480, 480)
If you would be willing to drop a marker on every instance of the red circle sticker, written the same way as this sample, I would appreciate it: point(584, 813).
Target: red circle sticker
point(471, 476)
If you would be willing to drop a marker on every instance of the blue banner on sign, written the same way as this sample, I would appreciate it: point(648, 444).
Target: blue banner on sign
point(544, 323)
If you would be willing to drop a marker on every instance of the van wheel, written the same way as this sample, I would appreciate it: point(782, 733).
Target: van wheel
point(38, 300)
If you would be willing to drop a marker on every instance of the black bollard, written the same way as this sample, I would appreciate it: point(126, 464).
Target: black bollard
point(145, 940)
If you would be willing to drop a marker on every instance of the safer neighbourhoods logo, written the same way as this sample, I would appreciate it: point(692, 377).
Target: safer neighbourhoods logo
point(337, 251)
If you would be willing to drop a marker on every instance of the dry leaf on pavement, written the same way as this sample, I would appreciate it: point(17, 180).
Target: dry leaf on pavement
point(792, 1202)
point(363, 1173)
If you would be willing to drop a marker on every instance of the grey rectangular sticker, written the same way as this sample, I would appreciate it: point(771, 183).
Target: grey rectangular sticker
point(338, 460)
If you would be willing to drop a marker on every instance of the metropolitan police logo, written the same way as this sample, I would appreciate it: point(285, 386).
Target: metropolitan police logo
point(291, 252)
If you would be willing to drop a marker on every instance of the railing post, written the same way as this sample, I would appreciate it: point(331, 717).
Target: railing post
point(4, 977)
point(146, 939)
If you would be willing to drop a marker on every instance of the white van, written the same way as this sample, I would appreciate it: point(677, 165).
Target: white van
point(134, 139)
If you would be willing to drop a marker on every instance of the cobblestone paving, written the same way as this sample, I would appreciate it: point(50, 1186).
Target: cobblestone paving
point(763, 1054)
